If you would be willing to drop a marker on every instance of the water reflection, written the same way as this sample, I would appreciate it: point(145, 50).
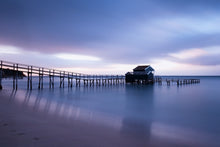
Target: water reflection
point(12, 95)
point(37, 100)
point(27, 97)
point(139, 111)
point(187, 114)
point(65, 104)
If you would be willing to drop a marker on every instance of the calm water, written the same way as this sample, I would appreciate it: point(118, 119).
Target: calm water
point(188, 113)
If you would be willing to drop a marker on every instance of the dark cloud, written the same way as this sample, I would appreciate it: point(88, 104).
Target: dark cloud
point(207, 60)
point(108, 29)
point(212, 60)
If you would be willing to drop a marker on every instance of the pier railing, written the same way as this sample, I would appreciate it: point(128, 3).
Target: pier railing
point(31, 71)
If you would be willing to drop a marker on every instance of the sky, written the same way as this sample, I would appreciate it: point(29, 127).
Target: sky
point(175, 37)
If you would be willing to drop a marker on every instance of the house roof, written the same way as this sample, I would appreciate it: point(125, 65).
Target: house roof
point(140, 68)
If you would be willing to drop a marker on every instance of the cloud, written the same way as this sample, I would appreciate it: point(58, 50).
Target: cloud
point(118, 31)
point(205, 56)
point(188, 54)
point(206, 60)
point(75, 57)
point(9, 50)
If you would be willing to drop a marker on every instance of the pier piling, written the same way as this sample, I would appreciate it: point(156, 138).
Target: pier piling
point(1, 76)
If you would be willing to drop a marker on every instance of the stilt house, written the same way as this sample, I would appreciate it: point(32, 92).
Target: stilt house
point(141, 74)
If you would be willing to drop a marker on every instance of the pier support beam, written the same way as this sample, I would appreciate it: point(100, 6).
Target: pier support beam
point(78, 77)
point(15, 76)
point(85, 82)
point(51, 79)
point(1, 70)
point(70, 80)
point(98, 82)
point(29, 78)
point(62, 79)
point(91, 82)
point(77, 82)
point(40, 83)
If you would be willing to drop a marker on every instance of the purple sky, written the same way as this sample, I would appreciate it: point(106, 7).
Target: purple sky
point(113, 36)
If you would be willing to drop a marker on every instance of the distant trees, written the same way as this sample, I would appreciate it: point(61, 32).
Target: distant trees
point(9, 73)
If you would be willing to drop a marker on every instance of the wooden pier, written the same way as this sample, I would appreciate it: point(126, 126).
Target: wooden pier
point(178, 82)
point(73, 78)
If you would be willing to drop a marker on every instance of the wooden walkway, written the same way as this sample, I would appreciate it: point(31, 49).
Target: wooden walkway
point(73, 78)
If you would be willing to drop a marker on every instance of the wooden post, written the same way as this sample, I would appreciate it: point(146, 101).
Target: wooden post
point(112, 81)
point(96, 80)
point(1, 76)
point(63, 78)
point(17, 77)
point(102, 81)
point(68, 80)
point(168, 82)
point(53, 80)
point(84, 82)
point(13, 76)
point(28, 78)
point(60, 80)
point(31, 79)
point(71, 85)
point(39, 79)
point(78, 80)
point(42, 83)
point(50, 80)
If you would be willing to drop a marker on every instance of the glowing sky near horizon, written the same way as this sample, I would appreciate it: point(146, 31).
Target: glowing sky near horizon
point(112, 37)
